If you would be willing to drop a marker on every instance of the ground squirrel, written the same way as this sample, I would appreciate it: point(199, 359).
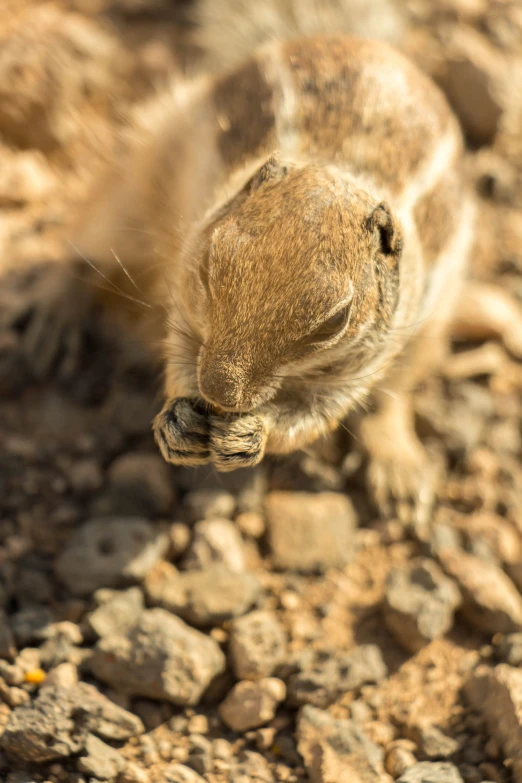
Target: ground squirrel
point(301, 226)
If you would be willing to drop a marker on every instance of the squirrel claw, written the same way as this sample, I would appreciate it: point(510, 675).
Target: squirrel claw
point(237, 443)
point(404, 487)
point(182, 433)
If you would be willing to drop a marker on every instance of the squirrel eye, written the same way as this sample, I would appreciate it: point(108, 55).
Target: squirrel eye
point(329, 328)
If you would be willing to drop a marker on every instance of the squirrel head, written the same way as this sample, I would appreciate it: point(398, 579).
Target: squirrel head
point(299, 263)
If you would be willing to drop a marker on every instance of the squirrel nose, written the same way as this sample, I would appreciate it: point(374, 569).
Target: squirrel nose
point(224, 383)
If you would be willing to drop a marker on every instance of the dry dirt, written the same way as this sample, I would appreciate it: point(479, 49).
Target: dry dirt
point(170, 625)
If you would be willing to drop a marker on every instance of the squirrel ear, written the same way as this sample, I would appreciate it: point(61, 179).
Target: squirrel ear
point(382, 221)
point(272, 169)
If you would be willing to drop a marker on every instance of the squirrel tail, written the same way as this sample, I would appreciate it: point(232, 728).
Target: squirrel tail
point(228, 30)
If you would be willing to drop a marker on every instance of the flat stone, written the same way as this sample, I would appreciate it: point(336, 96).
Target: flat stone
point(250, 705)
point(491, 601)
point(429, 772)
point(202, 598)
point(109, 552)
point(420, 602)
point(310, 532)
point(159, 658)
point(257, 645)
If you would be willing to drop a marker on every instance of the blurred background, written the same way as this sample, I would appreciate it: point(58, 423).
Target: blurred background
point(93, 524)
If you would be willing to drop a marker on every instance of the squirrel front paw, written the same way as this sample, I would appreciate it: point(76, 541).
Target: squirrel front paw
point(182, 432)
point(237, 442)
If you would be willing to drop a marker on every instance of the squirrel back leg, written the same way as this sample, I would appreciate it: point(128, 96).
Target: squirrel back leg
point(401, 475)
point(487, 311)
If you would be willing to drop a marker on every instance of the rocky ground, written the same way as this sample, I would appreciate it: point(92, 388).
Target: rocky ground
point(170, 625)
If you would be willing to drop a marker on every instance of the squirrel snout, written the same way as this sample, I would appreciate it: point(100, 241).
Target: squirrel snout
point(225, 384)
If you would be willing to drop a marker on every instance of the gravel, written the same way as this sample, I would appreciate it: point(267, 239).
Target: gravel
point(117, 612)
point(252, 704)
point(257, 645)
point(216, 541)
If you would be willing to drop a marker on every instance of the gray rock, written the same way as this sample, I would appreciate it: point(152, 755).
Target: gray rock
point(428, 772)
point(140, 484)
point(42, 732)
point(56, 725)
point(252, 704)
point(100, 715)
point(216, 541)
point(257, 645)
point(420, 602)
point(108, 552)
point(100, 760)
point(310, 532)
point(332, 675)
point(203, 598)
point(337, 750)
point(490, 600)
point(209, 504)
point(117, 612)
point(159, 658)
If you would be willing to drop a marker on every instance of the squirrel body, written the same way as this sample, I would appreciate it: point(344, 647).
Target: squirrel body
point(302, 227)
